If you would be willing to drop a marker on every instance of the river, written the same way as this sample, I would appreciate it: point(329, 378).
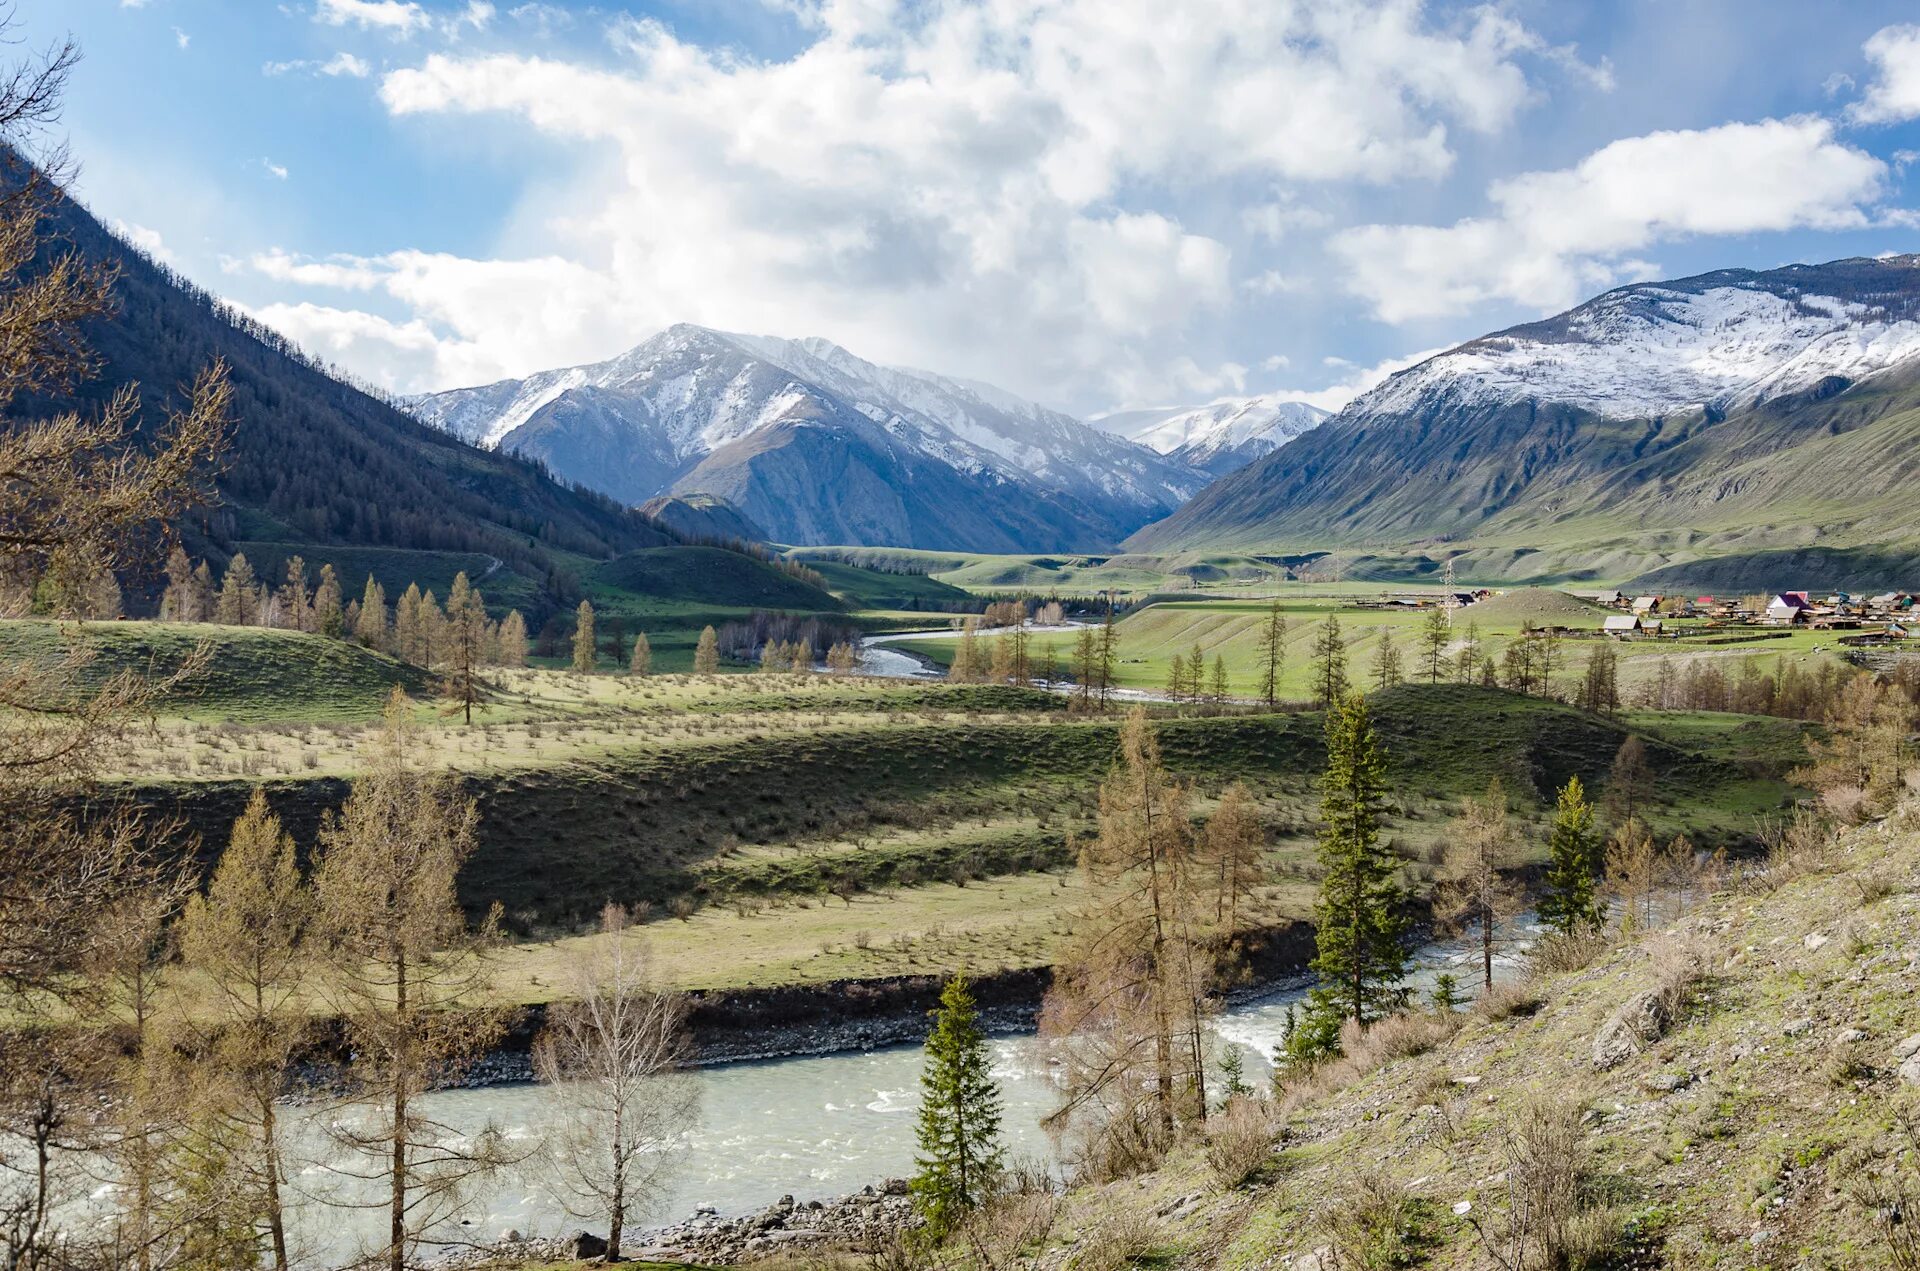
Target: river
point(812, 1128)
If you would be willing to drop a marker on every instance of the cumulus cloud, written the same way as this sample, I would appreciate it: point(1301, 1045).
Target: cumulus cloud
point(977, 187)
point(397, 17)
point(1893, 94)
point(147, 240)
point(275, 170)
point(1354, 381)
point(1554, 237)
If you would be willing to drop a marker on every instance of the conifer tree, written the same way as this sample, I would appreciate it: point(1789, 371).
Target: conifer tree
point(238, 603)
point(176, 602)
point(1086, 668)
point(773, 657)
point(1273, 653)
point(513, 639)
point(371, 628)
point(583, 639)
point(1629, 782)
point(1435, 635)
point(1177, 678)
point(1575, 862)
point(407, 642)
point(800, 657)
point(295, 603)
point(409, 977)
point(1108, 656)
point(248, 940)
point(1386, 663)
point(967, 666)
point(204, 594)
point(433, 631)
point(1467, 662)
point(1473, 888)
point(958, 1134)
point(1196, 673)
point(328, 618)
point(706, 655)
point(843, 658)
point(1329, 664)
point(641, 664)
point(1217, 692)
point(1235, 854)
point(466, 640)
point(1361, 920)
point(1600, 686)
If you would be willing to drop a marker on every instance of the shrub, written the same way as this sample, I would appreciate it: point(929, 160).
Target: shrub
point(1240, 1139)
point(1118, 1238)
point(1551, 1219)
point(1370, 1222)
point(1559, 952)
point(1508, 1000)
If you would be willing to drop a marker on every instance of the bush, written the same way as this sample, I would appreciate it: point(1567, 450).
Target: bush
point(1508, 1000)
point(1119, 1238)
point(1551, 1219)
point(1370, 1222)
point(1559, 952)
point(1239, 1142)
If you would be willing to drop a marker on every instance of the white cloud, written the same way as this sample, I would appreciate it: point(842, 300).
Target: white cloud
point(1357, 380)
point(346, 64)
point(978, 188)
point(398, 17)
point(343, 272)
point(1894, 93)
point(277, 171)
point(181, 39)
point(1268, 283)
point(134, 4)
point(147, 240)
point(1554, 237)
point(1277, 362)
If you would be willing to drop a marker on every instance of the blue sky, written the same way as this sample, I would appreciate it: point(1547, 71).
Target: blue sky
point(1095, 203)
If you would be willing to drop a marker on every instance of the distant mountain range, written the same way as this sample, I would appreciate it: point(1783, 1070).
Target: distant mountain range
point(1220, 437)
point(818, 446)
point(1721, 427)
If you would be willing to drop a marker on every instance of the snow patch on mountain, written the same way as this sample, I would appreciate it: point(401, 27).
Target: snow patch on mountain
point(1726, 340)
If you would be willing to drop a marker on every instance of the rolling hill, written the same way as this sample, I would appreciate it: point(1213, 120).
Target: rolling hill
point(1699, 427)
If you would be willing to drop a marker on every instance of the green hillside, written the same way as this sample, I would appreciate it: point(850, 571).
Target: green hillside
point(253, 674)
point(708, 576)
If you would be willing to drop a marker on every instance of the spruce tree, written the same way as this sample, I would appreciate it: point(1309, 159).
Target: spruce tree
point(1361, 917)
point(960, 1108)
point(583, 640)
point(706, 655)
point(1575, 859)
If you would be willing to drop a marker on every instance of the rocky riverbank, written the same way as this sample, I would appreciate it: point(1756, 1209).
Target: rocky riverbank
point(862, 1219)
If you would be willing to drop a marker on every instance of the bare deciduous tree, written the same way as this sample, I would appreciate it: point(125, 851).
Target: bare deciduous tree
point(616, 1057)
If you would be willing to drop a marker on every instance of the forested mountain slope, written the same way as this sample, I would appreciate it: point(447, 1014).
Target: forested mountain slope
point(314, 460)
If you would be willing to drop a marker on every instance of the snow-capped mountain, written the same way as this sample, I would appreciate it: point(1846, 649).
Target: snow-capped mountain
point(1220, 437)
point(1741, 409)
point(1718, 341)
point(820, 446)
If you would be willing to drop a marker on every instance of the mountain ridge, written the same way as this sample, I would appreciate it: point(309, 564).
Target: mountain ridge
point(923, 460)
point(1657, 424)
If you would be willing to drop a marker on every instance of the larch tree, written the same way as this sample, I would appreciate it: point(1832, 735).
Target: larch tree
point(329, 619)
point(614, 1056)
point(706, 654)
point(1217, 688)
point(1600, 686)
point(1127, 1009)
point(239, 601)
point(584, 649)
point(1273, 653)
point(843, 658)
point(410, 979)
point(958, 1129)
point(1630, 783)
point(512, 641)
point(1107, 657)
point(1575, 860)
point(968, 665)
point(295, 601)
point(248, 940)
point(1235, 854)
point(1177, 678)
point(800, 657)
point(1329, 664)
point(1467, 661)
point(1360, 918)
point(1386, 662)
point(1436, 633)
point(1086, 667)
point(465, 645)
point(1475, 888)
point(371, 629)
point(81, 493)
point(176, 602)
point(640, 665)
point(409, 643)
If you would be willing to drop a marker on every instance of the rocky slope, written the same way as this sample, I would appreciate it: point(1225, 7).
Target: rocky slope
point(1709, 417)
point(1220, 437)
point(818, 446)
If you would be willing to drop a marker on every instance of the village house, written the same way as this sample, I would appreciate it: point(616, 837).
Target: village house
point(1789, 608)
